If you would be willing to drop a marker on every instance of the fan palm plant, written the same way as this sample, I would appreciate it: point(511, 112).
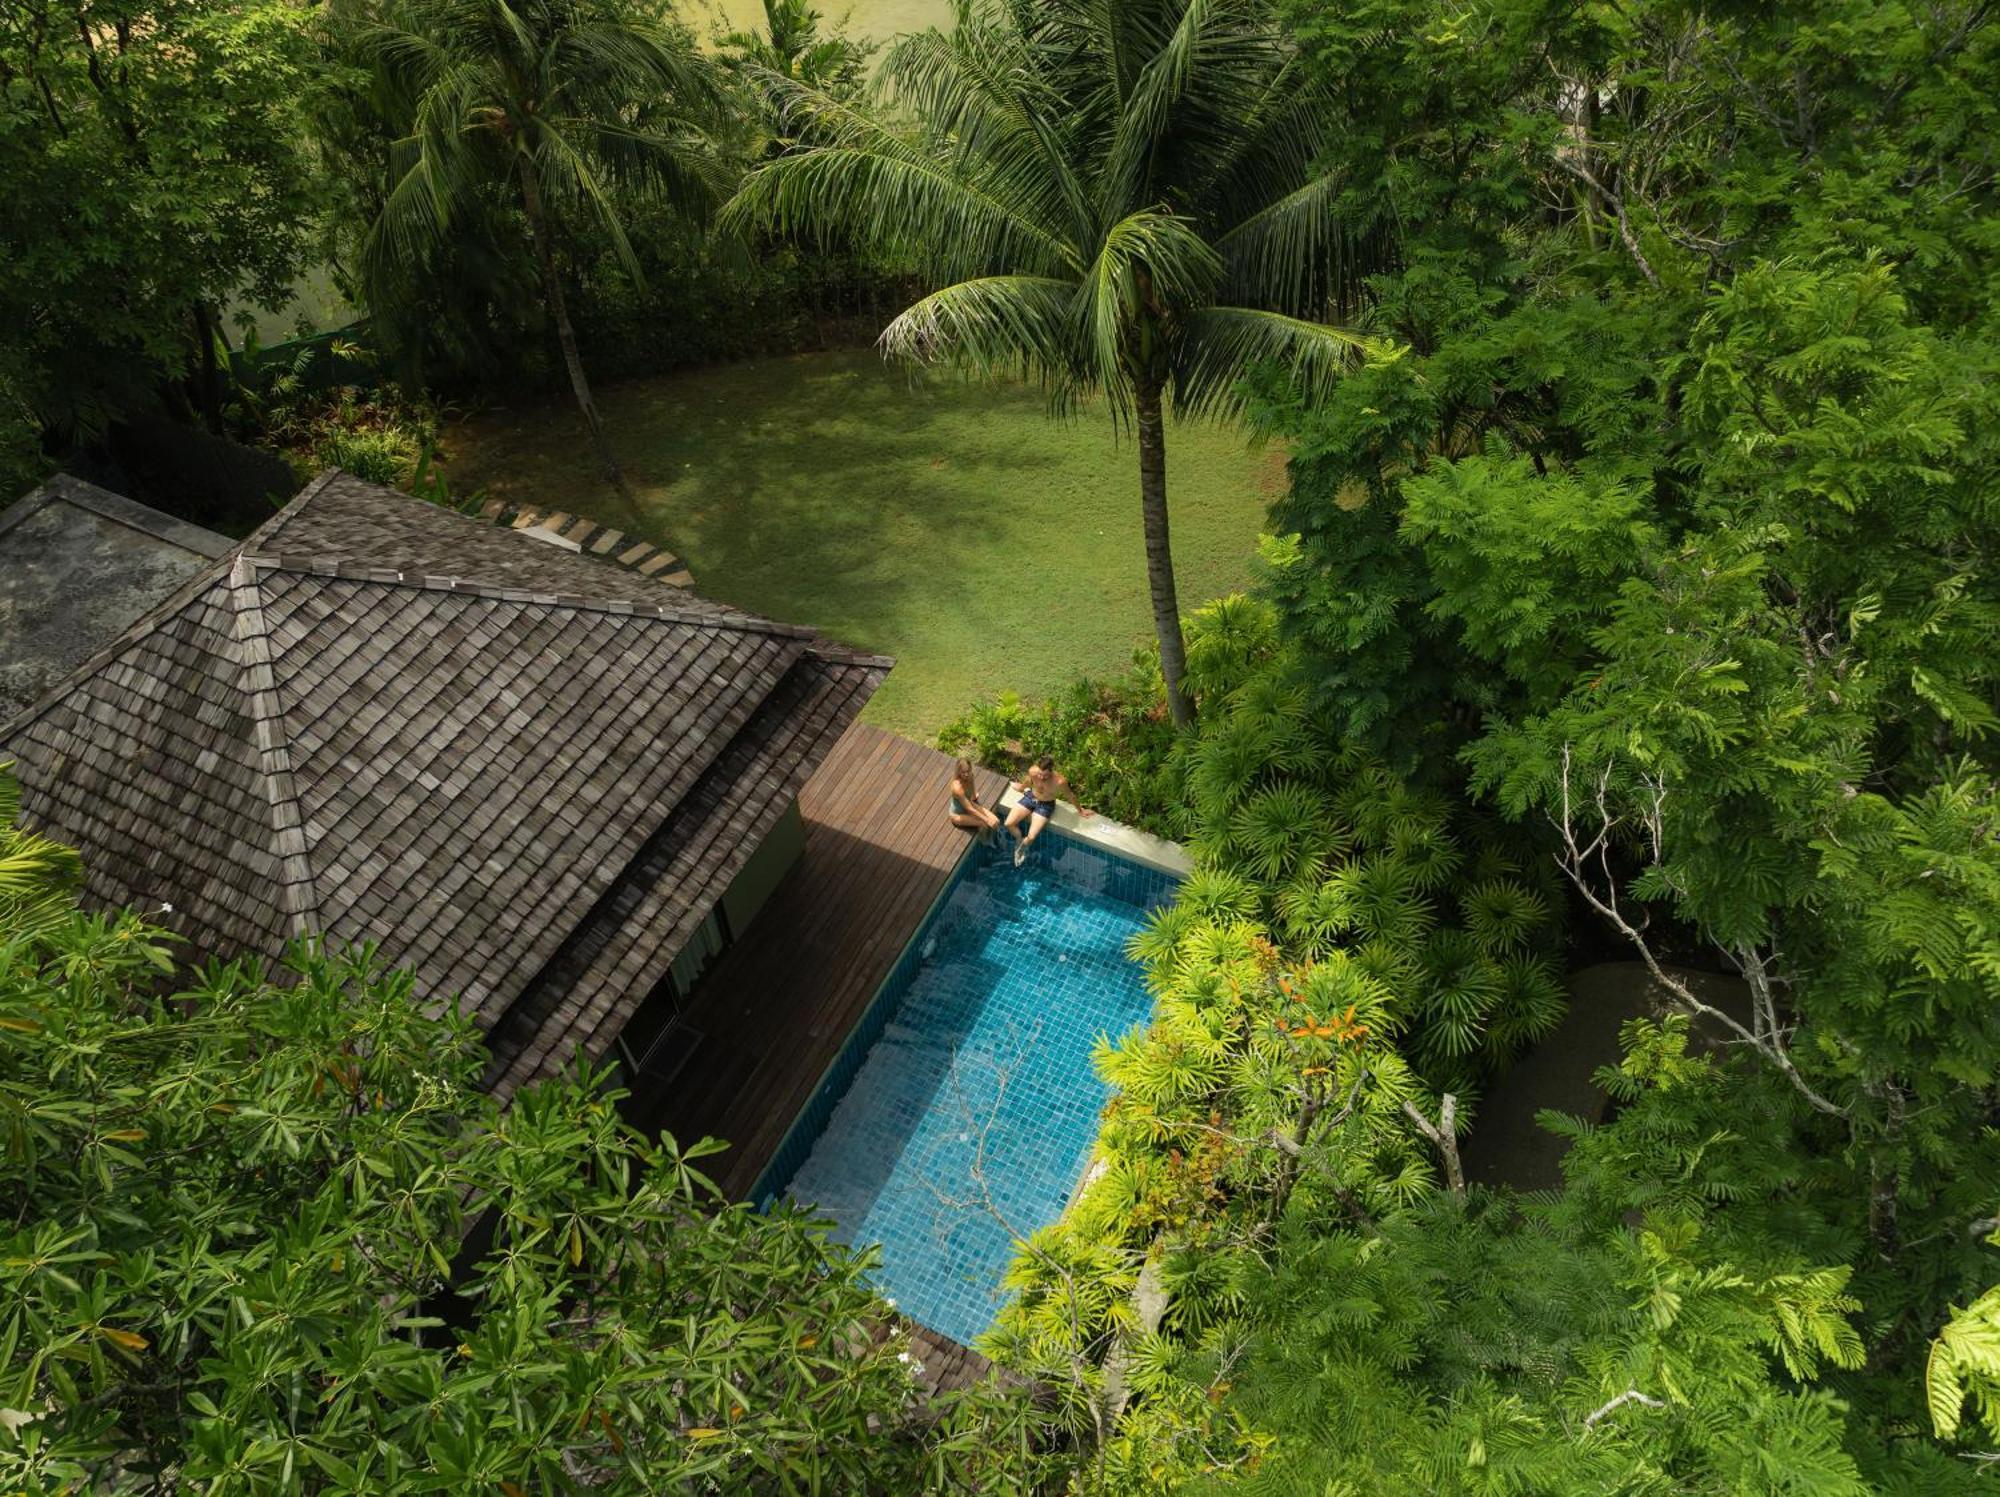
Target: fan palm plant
point(38, 878)
point(548, 105)
point(1120, 201)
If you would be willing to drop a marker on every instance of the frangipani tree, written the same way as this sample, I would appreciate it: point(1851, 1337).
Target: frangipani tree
point(1118, 200)
point(549, 105)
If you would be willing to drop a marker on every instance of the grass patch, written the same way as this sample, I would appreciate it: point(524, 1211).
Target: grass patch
point(879, 20)
point(955, 527)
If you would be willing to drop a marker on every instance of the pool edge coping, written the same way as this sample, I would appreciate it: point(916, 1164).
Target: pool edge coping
point(1114, 837)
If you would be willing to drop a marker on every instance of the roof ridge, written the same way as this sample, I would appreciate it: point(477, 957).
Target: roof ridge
point(297, 898)
point(748, 623)
point(214, 574)
point(835, 652)
point(290, 509)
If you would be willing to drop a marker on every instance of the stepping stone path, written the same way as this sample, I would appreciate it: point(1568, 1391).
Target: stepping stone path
point(593, 539)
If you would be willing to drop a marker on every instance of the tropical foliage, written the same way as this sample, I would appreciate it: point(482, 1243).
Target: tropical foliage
point(1632, 593)
point(1121, 202)
point(271, 1237)
point(1658, 557)
point(155, 168)
point(531, 106)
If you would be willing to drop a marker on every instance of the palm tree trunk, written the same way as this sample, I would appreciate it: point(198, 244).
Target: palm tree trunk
point(1159, 552)
point(538, 225)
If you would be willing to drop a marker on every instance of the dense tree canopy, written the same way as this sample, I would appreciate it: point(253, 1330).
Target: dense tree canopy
point(268, 1236)
point(154, 168)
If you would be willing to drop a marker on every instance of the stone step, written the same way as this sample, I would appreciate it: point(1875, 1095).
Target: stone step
point(598, 540)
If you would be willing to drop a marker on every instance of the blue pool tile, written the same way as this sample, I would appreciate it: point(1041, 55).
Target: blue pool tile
point(963, 1108)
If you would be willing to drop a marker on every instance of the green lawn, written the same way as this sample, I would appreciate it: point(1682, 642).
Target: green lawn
point(877, 20)
point(955, 527)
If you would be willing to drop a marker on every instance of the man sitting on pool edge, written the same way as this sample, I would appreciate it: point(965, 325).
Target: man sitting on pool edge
point(1037, 805)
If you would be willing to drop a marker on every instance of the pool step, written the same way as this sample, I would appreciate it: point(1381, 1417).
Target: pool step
point(592, 538)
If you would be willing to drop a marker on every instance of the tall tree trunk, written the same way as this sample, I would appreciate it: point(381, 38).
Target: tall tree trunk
point(1159, 553)
point(208, 382)
point(538, 225)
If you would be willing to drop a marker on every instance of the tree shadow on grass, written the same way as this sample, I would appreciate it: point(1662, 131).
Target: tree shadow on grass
point(827, 479)
point(849, 464)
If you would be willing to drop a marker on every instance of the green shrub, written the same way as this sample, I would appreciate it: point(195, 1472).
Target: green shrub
point(384, 455)
point(1112, 738)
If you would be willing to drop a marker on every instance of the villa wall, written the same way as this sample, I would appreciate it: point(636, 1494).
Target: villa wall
point(766, 869)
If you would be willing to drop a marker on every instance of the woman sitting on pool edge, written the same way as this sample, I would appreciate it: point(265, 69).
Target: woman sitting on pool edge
point(964, 807)
point(1037, 805)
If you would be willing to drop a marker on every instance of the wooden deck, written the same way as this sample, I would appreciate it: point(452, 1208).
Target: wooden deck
point(768, 1018)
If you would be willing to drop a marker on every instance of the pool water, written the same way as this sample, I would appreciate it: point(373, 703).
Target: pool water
point(970, 1119)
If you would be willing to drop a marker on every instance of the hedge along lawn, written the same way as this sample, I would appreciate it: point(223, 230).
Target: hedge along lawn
point(953, 526)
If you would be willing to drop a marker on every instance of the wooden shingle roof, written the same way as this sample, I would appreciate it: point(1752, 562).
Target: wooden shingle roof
point(527, 774)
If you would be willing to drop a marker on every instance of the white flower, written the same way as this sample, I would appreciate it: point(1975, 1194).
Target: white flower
point(902, 1356)
point(165, 908)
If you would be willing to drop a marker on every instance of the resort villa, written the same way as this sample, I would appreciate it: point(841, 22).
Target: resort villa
point(608, 819)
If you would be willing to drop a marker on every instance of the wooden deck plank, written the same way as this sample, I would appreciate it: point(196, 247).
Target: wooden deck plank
point(778, 1005)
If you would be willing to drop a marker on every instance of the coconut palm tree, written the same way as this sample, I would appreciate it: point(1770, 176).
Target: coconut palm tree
point(550, 105)
point(1118, 198)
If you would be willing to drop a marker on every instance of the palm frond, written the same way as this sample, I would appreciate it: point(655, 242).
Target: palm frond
point(993, 325)
point(1218, 345)
point(603, 64)
point(1148, 110)
point(1294, 253)
point(567, 173)
point(865, 182)
point(974, 90)
point(1148, 259)
point(1276, 140)
point(681, 168)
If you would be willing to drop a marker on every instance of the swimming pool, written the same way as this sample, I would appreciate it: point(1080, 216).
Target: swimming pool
point(962, 1109)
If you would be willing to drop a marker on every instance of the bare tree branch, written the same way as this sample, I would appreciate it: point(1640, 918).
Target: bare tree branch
point(1630, 1395)
point(1616, 203)
point(1443, 1137)
point(1599, 889)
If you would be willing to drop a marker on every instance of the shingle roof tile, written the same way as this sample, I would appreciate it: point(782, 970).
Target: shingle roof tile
point(384, 720)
